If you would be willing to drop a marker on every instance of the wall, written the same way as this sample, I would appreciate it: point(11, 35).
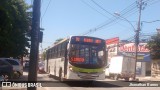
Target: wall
point(155, 68)
point(115, 47)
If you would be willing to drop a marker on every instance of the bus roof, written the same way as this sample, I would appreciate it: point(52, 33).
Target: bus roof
point(65, 39)
point(85, 36)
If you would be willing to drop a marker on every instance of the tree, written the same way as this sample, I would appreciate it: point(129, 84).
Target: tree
point(43, 55)
point(14, 28)
point(154, 46)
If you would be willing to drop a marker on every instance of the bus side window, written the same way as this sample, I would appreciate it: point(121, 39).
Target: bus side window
point(61, 54)
point(56, 51)
point(51, 52)
point(59, 50)
point(64, 48)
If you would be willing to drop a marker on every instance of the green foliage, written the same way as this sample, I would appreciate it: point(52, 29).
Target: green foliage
point(43, 55)
point(154, 46)
point(14, 28)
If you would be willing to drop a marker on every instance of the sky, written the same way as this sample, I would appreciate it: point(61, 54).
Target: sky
point(62, 18)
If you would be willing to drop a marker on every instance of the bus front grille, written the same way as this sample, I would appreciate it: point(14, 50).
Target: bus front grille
point(87, 76)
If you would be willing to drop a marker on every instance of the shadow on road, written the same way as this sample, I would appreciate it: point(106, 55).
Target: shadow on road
point(53, 81)
point(24, 77)
point(71, 83)
point(90, 84)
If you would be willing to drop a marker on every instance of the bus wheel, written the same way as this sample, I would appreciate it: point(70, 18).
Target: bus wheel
point(60, 75)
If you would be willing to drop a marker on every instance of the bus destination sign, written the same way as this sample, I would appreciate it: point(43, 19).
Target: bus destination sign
point(86, 40)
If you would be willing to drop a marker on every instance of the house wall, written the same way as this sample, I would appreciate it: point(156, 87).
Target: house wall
point(155, 68)
point(143, 69)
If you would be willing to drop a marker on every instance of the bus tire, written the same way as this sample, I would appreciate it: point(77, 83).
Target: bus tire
point(60, 75)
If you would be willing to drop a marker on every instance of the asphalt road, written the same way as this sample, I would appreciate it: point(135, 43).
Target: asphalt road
point(52, 83)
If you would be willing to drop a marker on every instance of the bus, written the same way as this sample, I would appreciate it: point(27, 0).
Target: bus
point(77, 58)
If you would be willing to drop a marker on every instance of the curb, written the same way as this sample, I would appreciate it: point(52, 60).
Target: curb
point(148, 79)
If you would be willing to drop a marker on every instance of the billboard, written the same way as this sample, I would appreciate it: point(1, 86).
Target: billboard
point(130, 47)
point(112, 47)
point(129, 50)
point(112, 41)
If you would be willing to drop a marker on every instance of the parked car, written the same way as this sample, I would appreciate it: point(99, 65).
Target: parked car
point(6, 70)
point(17, 67)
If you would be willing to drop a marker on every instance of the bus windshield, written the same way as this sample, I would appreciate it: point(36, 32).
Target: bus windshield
point(87, 56)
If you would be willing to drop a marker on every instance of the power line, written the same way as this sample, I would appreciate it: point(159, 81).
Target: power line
point(102, 8)
point(154, 2)
point(113, 19)
point(94, 8)
point(108, 11)
point(149, 1)
point(126, 11)
point(150, 5)
point(45, 12)
point(132, 6)
point(43, 16)
point(46, 8)
point(142, 36)
point(150, 21)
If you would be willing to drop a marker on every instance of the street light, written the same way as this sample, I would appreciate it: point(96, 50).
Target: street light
point(136, 40)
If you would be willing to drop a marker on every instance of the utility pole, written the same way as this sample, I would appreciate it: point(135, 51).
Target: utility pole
point(34, 53)
point(139, 4)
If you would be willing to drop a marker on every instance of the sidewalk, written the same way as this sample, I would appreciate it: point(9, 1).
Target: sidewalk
point(149, 78)
point(25, 78)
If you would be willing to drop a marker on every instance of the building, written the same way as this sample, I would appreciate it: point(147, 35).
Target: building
point(117, 47)
point(155, 67)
